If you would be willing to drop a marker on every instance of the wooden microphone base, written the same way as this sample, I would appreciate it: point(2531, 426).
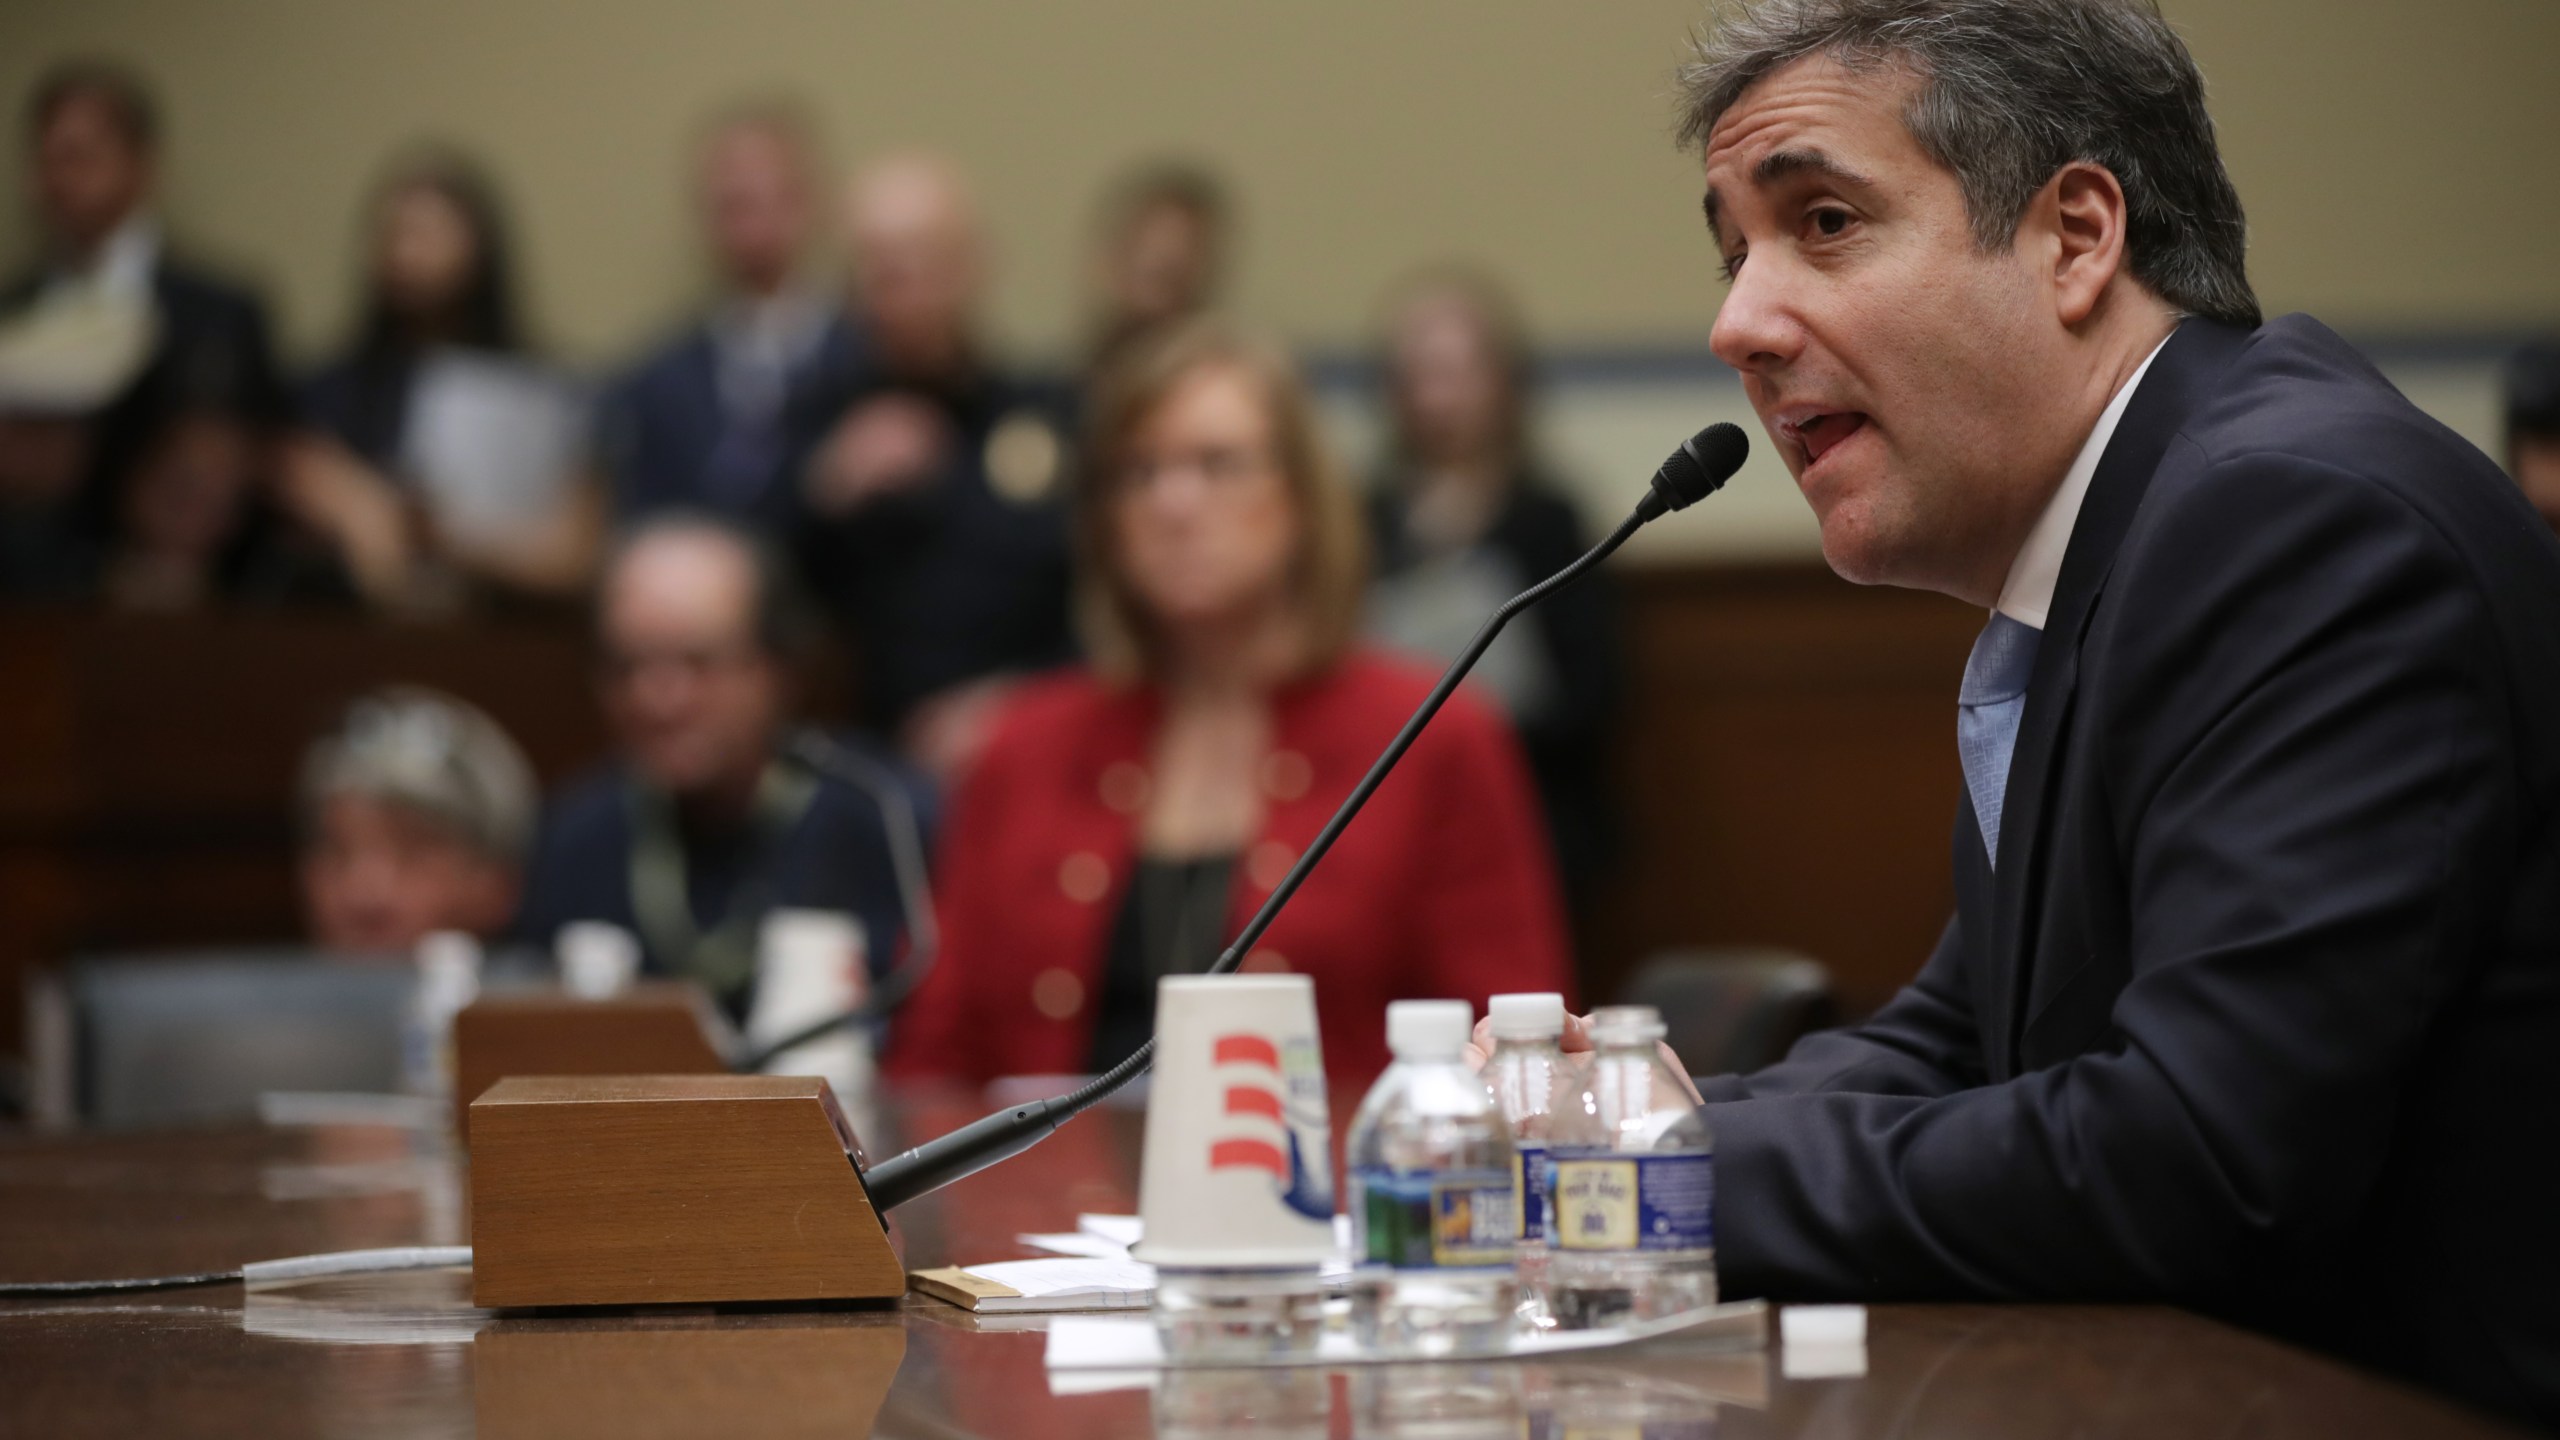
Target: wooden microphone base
point(657, 1027)
point(670, 1190)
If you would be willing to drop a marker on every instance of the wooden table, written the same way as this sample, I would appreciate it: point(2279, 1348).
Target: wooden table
point(408, 1356)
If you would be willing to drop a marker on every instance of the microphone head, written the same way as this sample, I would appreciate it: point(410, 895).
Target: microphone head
point(1701, 465)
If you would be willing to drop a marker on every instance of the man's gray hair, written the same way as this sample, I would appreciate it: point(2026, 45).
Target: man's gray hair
point(431, 753)
point(2010, 92)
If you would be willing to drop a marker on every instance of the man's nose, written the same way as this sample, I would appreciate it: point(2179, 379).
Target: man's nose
point(1757, 330)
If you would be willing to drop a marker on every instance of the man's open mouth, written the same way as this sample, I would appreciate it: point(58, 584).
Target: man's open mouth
point(1818, 434)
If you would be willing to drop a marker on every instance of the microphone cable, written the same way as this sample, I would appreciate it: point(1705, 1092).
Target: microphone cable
point(256, 1272)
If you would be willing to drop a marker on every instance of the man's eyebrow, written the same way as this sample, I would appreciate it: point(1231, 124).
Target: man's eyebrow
point(1778, 165)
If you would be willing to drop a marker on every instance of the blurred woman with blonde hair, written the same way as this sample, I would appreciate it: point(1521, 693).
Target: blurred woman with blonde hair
point(1128, 816)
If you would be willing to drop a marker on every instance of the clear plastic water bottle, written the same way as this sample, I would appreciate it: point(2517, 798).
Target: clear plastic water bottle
point(1434, 1236)
point(1530, 1079)
point(448, 980)
point(1634, 1185)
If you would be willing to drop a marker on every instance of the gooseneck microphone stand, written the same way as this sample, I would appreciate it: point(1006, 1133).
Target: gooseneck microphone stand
point(1697, 469)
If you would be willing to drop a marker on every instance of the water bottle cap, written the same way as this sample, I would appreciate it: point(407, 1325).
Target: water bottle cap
point(1626, 1025)
point(449, 952)
point(1526, 1017)
point(1429, 1029)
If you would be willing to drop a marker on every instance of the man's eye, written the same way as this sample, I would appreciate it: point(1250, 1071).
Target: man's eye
point(1830, 222)
point(1732, 265)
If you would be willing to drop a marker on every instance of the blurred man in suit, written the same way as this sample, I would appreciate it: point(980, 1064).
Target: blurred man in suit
point(2254, 976)
point(93, 139)
point(710, 421)
point(939, 496)
point(706, 822)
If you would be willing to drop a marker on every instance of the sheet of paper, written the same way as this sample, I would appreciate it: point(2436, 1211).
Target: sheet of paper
point(1123, 1229)
point(1039, 1279)
point(1094, 1247)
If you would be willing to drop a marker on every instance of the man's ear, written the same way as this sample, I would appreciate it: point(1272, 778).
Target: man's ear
point(2086, 208)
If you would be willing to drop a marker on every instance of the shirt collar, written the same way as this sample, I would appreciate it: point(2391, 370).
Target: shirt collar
point(2027, 595)
point(124, 263)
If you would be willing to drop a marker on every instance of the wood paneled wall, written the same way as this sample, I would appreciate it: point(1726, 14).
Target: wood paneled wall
point(147, 766)
point(1787, 772)
point(1787, 766)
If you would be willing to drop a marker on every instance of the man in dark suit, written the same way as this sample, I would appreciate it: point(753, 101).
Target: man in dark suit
point(714, 419)
point(2254, 977)
point(937, 495)
point(707, 821)
point(93, 136)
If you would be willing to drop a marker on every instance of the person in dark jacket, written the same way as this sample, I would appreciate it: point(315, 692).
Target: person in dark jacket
point(707, 820)
point(442, 452)
point(93, 137)
point(713, 419)
point(937, 495)
point(2253, 981)
point(1466, 517)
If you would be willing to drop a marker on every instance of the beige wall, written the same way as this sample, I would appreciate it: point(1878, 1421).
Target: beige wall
point(2396, 157)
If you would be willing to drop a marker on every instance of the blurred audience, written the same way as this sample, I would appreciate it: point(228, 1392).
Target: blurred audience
point(184, 517)
point(415, 813)
point(711, 419)
point(2533, 425)
point(1165, 238)
point(702, 824)
point(938, 496)
point(1465, 517)
point(1127, 818)
point(441, 456)
point(150, 325)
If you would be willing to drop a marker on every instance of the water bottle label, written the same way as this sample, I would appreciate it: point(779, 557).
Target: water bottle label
point(1529, 1177)
point(1635, 1202)
point(1425, 1219)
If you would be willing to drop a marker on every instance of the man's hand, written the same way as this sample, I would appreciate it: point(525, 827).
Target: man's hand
point(884, 446)
point(1576, 1040)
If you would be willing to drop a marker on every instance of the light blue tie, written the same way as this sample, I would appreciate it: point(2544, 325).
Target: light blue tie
point(1988, 708)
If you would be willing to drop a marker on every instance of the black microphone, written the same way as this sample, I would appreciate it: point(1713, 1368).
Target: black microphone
point(1696, 470)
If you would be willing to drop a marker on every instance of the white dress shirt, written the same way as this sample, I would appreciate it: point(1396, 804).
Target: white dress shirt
point(123, 266)
point(2027, 595)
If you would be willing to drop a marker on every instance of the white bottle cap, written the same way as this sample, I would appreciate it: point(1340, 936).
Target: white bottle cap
point(449, 952)
point(1429, 1029)
point(1526, 1017)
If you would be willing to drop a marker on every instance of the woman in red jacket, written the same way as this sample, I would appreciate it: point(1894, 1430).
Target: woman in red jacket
point(1125, 820)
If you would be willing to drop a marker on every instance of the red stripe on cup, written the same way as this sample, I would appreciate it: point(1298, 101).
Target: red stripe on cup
point(1248, 1155)
point(1245, 1050)
point(1242, 1100)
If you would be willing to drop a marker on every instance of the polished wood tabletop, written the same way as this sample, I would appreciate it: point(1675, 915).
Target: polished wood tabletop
point(407, 1355)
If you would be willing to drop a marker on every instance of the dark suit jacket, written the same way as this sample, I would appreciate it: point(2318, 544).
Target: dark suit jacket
point(833, 856)
point(2258, 1014)
point(213, 349)
point(661, 428)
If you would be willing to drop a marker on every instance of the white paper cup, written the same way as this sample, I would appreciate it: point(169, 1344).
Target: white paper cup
point(1238, 1172)
point(598, 959)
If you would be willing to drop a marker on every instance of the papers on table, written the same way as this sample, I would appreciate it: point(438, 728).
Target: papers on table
point(1096, 1237)
point(1063, 1283)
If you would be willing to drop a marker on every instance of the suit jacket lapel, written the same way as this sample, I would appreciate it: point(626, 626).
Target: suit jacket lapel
point(2176, 385)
